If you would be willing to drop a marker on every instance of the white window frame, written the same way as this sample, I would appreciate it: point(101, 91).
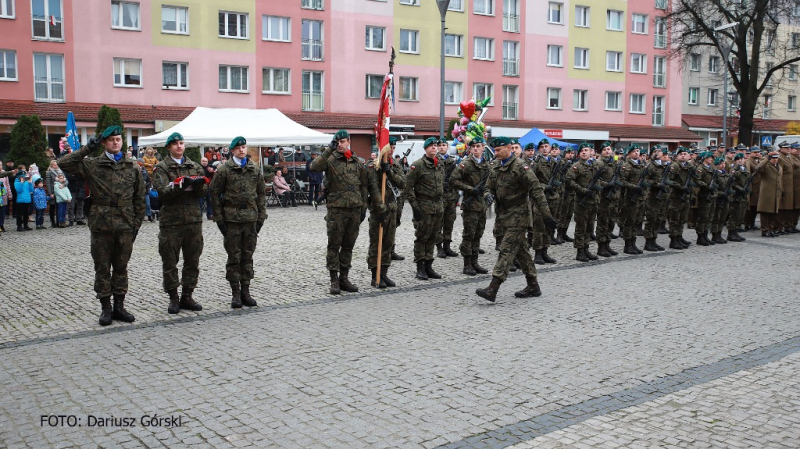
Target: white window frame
point(4, 53)
point(178, 71)
point(619, 61)
point(488, 7)
point(50, 80)
point(580, 96)
point(270, 90)
point(4, 12)
point(555, 56)
point(609, 13)
point(410, 2)
point(177, 19)
point(511, 16)
point(456, 5)
point(659, 117)
point(457, 88)
point(488, 89)
point(618, 97)
point(791, 103)
point(584, 13)
point(642, 21)
point(487, 45)
point(369, 36)
point(643, 97)
point(694, 95)
point(642, 65)
point(660, 32)
point(47, 14)
point(511, 65)
point(510, 109)
point(557, 91)
point(458, 41)
point(585, 56)
point(317, 5)
point(695, 57)
point(238, 25)
point(312, 48)
point(308, 103)
point(659, 71)
point(550, 13)
point(284, 27)
point(415, 33)
point(661, 4)
point(712, 97)
point(792, 72)
point(413, 83)
point(229, 69)
point(373, 95)
point(122, 62)
point(121, 15)
point(713, 64)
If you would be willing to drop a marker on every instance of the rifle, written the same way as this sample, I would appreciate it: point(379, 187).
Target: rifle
point(551, 183)
point(662, 188)
point(740, 195)
point(480, 186)
point(640, 184)
point(688, 184)
point(726, 193)
point(448, 172)
point(590, 187)
point(613, 183)
point(712, 186)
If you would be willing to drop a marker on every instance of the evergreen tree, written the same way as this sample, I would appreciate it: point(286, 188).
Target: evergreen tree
point(108, 116)
point(29, 142)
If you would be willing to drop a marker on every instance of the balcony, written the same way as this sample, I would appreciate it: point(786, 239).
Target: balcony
point(661, 41)
point(510, 67)
point(313, 101)
point(509, 111)
point(511, 23)
point(312, 50)
point(659, 80)
point(48, 28)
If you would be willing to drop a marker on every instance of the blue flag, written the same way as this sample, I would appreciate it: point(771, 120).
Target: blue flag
point(72, 132)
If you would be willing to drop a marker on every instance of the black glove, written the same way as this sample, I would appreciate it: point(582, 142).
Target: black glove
point(417, 213)
point(334, 145)
point(618, 183)
point(489, 200)
point(223, 228)
point(638, 189)
point(381, 217)
point(550, 223)
point(597, 187)
point(135, 234)
point(94, 143)
point(386, 167)
point(670, 183)
point(198, 181)
point(558, 183)
point(259, 225)
point(478, 192)
point(548, 189)
point(363, 215)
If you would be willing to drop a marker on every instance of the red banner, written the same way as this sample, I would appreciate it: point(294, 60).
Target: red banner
point(554, 133)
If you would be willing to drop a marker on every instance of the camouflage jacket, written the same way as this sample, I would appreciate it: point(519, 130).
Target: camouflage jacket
point(608, 166)
point(345, 179)
point(679, 173)
point(117, 190)
point(425, 186)
point(578, 178)
point(449, 165)
point(544, 170)
point(238, 194)
point(514, 186)
point(702, 178)
point(468, 174)
point(629, 177)
point(654, 176)
point(374, 178)
point(178, 206)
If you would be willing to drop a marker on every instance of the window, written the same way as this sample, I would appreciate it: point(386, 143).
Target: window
point(614, 20)
point(510, 58)
point(796, 39)
point(312, 4)
point(582, 16)
point(660, 33)
point(46, 20)
point(712, 97)
point(313, 92)
point(482, 91)
point(125, 16)
point(767, 106)
point(511, 16)
point(661, 4)
point(638, 63)
point(485, 7)
point(659, 71)
point(175, 75)
point(127, 72)
point(376, 38)
point(483, 48)
point(409, 88)
point(613, 61)
point(581, 58)
point(233, 25)
point(553, 98)
point(694, 62)
point(658, 110)
point(452, 45)
point(792, 72)
point(638, 24)
point(312, 40)
point(554, 12)
point(580, 100)
point(233, 79)
point(613, 101)
point(456, 5)
point(276, 29)
point(767, 67)
point(694, 92)
point(409, 41)
point(554, 54)
point(7, 9)
point(792, 103)
point(637, 103)
point(174, 20)
point(48, 77)
point(713, 64)
point(8, 65)
point(276, 81)
point(452, 92)
point(374, 86)
point(510, 102)
point(410, 2)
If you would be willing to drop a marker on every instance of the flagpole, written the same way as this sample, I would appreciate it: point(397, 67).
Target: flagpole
point(383, 174)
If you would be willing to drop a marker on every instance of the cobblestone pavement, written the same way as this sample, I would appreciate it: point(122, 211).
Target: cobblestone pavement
point(687, 349)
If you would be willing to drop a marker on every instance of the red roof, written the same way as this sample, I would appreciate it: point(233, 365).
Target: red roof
point(715, 122)
point(87, 112)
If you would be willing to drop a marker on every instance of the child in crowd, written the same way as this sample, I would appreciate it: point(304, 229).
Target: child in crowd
point(39, 202)
point(24, 189)
point(63, 198)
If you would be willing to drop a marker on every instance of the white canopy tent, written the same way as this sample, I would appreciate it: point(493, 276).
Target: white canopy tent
point(261, 127)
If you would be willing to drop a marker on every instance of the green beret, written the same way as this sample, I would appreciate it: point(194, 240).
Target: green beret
point(237, 141)
point(428, 142)
point(719, 160)
point(530, 146)
point(655, 148)
point(392, 140)
point(681, 150)
point(341, 134)
point(738, 156)
point(174, 137)
point(114, 130)
point(514, 141)
point(605, 144)
point(555, 146)
point(584, 145)
point(500, 141)
point(631, 148)
point(542, 142)
point(706, 154)
point(477, 140)
point(620, 150)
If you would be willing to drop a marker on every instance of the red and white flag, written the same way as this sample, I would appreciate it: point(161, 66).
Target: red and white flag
point(384, 112)
point(53, 20)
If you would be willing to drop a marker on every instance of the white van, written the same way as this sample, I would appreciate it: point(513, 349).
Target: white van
point(790, 139)
point(415, 147)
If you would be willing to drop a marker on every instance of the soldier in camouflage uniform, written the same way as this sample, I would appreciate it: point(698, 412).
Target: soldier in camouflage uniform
point(606, 206)
point(721, 206)
point(681, 189)
point(567, 198)
point(509, 183)
point(401, 200)
point(450, 199)
point(738, 205)
point(180, 183)
point(115, 216)
point(584, 182)
point(629, 176)
point(544, 169)
point(471, 177)
point(346, 199)
point(425, 191)
point(239, 201)
point(705, 180)
point(658, 192)
point(383, 213)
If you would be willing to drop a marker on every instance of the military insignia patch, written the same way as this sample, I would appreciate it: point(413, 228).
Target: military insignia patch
point(413, 167)
point(526, 167)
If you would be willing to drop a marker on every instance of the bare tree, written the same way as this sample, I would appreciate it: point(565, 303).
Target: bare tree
point(756, 52)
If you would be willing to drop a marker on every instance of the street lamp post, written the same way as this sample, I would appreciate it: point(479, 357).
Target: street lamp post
point(443, 5)
point(725, 52)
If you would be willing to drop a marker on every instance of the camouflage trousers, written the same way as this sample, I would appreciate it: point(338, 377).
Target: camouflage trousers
point(567, 210)
point(584, 216)
point(629, 213)
point(736, 214)
point(240, 244)
point(450, 200)
point(474, 225)
point(654, 211)
point(541, 237)
point(389, 231)
point(605, 214)
point(514, 247)
point(721, 209)
point(705, 209)
point(677, 213)
point(111, 251)
point(427, 233)
point(172, 240)
point(343, 226)
point(641, 211)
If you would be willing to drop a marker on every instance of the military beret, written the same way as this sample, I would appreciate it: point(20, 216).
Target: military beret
point(605, 144)
point(591, 145)
point(114, 130)
point(514, 141)
point(706, 154)
point(174, 137)
point(429, 141)
point(631, 148)
point(392, 140)
point(584, 145)
point(500, 141)
point(239, 140)
point(341, 134)
point(477, 140)
point(543, 142)
point(738, 156)
point(556, 146)
point(719, 160)
point(784, 145)
point(569, 150)
point(619, 150)
point(655, 148)
point(681, 150)
point(530, 146)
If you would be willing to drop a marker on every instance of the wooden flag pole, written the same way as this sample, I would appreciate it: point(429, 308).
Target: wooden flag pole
point(383, 182)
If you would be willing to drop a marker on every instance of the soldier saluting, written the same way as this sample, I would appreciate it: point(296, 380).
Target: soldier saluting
point(115, 216)
point(424, 191)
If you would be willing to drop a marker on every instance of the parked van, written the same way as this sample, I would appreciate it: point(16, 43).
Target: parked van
point(790, 139)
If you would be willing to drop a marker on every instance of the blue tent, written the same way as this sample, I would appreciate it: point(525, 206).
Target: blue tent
point(535, 135)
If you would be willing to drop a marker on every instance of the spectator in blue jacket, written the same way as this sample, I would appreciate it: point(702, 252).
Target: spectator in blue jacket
point(24, 190)
point(39, 202)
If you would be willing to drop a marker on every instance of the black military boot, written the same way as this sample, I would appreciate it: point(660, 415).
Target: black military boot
point(247, 300)
point(701, 240)
point(174, 301)
point(741, 239)
point(120, 314)
point(650, 245)
point(717, 238)
point(447, 251)
point(421, 273)
point(490, 293)
point(478, 269)
point(611, 250)
point(429, 270)
point(546, 256)
point(531, 290)
point(593, 237)
point(555, 239)
point(709, 241)
point(636, 248)
point(236, 295)
point(581, 255)
point(480, 251)
point(440, 251)
point(674, 243)
point(630, 247)
point(589, 254)
point(107, 312)
point(498, 241)
point(538, 259)
point(344, 282)
point(396, 256)
point(469, 270)
point(659, 247)
point(187, 302)
point(683, 241)
point(640, 231)
point(562, 235)
point(602, 251)
point(385, 276)
point(381, 284)
point(335, 289)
